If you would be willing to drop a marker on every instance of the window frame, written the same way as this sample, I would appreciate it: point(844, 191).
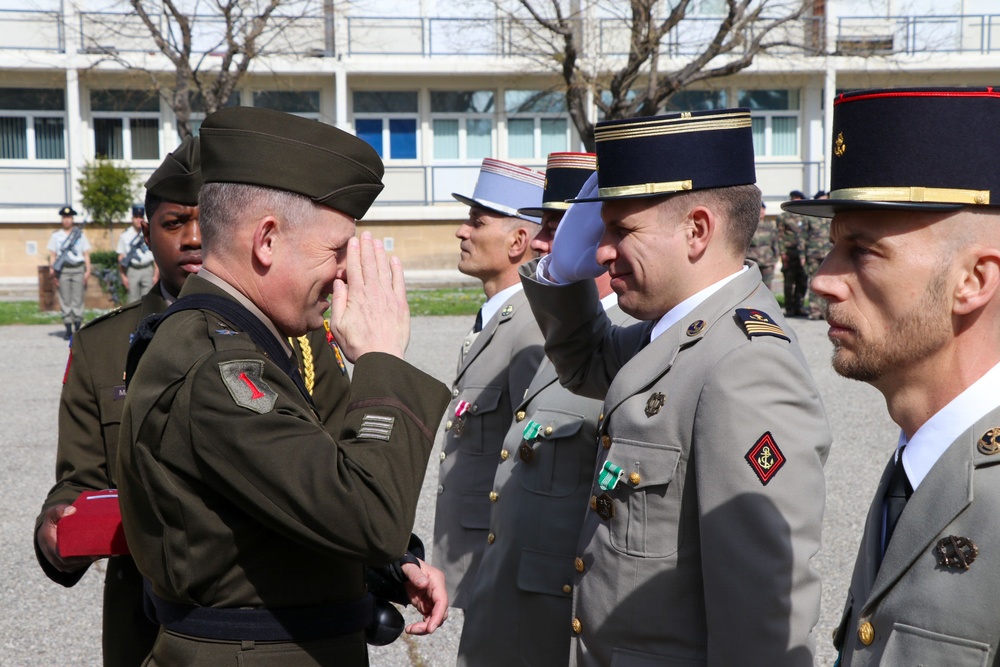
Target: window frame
point(537, 117)
point(385, 117)
point(768, 116)
point(462, 117)
point(127, 117)
point(31, 139)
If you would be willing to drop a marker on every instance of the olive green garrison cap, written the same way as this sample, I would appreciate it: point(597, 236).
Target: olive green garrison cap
point(178, 178)
point(278, 150)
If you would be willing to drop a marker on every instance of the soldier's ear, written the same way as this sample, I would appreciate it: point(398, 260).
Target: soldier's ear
point(145, 233)
point(265, 237)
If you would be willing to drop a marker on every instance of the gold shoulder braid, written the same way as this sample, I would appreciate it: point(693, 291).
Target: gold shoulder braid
point(309, 370)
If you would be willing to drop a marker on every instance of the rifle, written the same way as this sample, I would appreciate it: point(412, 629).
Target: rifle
point(137, 244)
point(64, 250)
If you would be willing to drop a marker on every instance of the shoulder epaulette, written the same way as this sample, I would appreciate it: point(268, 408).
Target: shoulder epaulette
point(758, 323)
point(111, 313)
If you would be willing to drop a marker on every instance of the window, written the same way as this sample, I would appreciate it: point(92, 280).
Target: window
point(198, 110)
point(775, 119)
point(462, 123)
point(32, 124)
point(387, 121)
point(695, 100)
point(126, 124)
point(536, 123)
point(303, 103)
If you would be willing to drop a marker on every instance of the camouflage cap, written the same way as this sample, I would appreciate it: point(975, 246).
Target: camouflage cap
point(178, 178)
point(278, 150)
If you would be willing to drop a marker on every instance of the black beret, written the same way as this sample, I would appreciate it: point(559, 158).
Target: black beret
point(931, 149)
point(138, 210)
point(796, 194)
point(278, 150)
point(678, 152)
point(66, 210)
point(178, 178)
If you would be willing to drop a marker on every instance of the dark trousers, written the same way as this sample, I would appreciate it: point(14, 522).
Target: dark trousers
point(796, 283)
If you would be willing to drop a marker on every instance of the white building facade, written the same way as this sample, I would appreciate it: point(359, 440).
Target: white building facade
point(435, 92)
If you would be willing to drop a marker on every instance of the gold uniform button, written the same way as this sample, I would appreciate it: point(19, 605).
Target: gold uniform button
point(447, 425)
point(491, 538)
point(521, 415)
point(606, 441)
point(504, 454)
point(567, 588)
point(593, 502)
point(866, 633)
point(548, 430)
point(577, 626)
point(494, 496)
point(578, 563)
point(600, 417)
point(634, 479)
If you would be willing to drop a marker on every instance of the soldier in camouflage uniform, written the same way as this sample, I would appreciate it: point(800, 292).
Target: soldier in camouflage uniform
point(816, 244)
point(764, 247)
point(790, 227)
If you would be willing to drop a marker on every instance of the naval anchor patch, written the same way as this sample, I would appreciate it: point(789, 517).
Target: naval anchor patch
point(244, 379)
point(765, 458)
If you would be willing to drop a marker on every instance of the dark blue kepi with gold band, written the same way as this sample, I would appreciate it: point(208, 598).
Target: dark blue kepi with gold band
point(652, 157)
point(932, 157)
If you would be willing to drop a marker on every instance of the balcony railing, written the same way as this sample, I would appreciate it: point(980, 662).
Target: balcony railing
point(427, 37)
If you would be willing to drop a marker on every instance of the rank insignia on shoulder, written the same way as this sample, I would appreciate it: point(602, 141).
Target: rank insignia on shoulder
point(244, 378)
point(765, 458)
point(376, 427)
point(758, 323)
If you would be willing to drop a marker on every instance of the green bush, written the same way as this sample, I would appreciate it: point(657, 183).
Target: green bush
point(104, 267)
point(107, 191)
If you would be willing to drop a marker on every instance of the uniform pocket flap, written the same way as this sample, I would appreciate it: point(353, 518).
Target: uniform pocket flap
point(908, 645)
point(475, 511)
point(644, 464)
point(563, 424)
point(481, 399)
point(547, 573)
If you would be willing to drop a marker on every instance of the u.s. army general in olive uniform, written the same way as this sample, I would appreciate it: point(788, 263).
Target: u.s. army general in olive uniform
point(707, 500)
point(495, 367)
point(912, 291)
point(251, 522)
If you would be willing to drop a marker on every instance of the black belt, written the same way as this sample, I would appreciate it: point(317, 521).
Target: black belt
point(290, 624)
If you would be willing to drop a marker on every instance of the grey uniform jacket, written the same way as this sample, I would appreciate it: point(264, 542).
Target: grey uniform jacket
point(700, 553)
point(522, 599)
point(493, 375)
point(916, 609)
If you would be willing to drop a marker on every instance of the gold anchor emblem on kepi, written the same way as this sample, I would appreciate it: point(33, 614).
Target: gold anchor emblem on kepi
point(839, 147)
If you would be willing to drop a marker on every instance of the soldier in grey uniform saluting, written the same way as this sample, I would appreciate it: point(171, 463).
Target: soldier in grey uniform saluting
point(912, 291)
point(135, 260)
point(707, 500)
point(495, 366)
point(69, 266)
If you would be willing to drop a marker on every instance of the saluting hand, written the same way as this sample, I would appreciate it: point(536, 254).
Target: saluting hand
point(369, 312)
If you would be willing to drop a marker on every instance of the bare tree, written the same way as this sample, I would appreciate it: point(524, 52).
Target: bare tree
point(640, 56)
point(210, 44)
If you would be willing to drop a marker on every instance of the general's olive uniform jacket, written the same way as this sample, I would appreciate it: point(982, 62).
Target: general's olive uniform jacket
point(914, 609)
point(234, 495)
point(521, 603)
point(90, 411)
point(697, 550)
point(493, 375)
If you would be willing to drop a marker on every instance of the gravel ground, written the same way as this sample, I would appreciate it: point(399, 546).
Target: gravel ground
point(44, 624)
